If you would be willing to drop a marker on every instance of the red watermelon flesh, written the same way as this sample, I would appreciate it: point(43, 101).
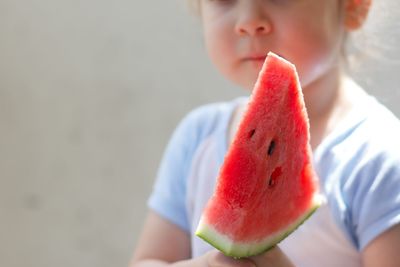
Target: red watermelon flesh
point(266, 186)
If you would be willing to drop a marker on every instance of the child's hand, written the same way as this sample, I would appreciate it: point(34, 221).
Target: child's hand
point(216, 258)
point(274, 258)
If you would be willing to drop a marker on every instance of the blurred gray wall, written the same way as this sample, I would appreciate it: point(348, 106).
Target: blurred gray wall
point(90, 92)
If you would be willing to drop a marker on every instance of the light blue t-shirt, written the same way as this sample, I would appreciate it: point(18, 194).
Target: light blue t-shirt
point(358, 165)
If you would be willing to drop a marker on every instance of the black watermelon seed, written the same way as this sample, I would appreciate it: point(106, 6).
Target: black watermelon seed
point(271, 181)
point(274, 176)
point(271, 148)
point(251, 133)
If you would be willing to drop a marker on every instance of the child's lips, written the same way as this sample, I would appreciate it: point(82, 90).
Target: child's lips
point(255, 58)
point(258, 57)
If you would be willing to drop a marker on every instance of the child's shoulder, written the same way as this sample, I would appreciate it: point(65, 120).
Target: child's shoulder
point(370, 125)
point(381, 128)
point(359, 167)
point(366, 142)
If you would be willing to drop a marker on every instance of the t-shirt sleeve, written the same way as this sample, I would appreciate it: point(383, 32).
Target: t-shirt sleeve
point(169, 191)
point(376, 202)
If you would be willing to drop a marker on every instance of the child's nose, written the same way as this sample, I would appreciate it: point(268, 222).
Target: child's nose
point(252, 20)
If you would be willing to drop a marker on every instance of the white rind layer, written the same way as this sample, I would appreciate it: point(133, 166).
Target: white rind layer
point(242, 249)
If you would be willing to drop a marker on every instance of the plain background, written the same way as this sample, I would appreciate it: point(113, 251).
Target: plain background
point(90, 91)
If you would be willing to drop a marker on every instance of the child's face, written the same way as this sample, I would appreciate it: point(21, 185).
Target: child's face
point(239, 34)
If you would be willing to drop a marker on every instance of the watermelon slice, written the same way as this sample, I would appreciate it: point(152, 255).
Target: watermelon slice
point(266, 186)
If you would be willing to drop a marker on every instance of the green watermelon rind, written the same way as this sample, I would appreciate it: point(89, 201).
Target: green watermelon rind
point(243, 250)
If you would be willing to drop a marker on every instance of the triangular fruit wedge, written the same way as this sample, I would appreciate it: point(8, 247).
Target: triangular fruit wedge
point(267, 186)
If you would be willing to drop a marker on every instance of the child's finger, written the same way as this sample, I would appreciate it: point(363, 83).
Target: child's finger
point(218, 259)
point(273, 257)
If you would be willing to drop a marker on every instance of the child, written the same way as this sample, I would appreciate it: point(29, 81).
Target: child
point(355, 141)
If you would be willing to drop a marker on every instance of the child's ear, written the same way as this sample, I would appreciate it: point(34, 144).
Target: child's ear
point(356, 12)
